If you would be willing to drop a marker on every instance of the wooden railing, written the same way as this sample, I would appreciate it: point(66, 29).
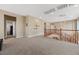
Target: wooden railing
point(62, 33)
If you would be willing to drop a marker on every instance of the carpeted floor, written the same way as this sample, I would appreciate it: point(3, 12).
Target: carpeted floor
point(38, 46)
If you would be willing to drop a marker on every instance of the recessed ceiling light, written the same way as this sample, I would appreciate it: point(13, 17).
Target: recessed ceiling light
point(76, 5)
point(40, 17)
point(52, 13)
point(69, 16)
point(62, 15)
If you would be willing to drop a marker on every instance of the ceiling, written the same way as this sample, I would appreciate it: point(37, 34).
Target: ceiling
point(37, 10)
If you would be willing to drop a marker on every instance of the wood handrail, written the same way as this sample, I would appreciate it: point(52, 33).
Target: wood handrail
point(64, 36)
point(62, 29)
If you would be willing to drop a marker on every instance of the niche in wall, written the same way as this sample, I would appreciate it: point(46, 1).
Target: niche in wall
point(9, 26)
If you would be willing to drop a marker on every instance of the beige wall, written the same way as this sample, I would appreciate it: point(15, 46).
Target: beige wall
point(21, 29)
point(31, 29)
point(66, 25)
point(19, 24)
point(1, 25)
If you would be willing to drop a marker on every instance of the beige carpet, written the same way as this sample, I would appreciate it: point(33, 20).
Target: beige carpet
point(38, 46)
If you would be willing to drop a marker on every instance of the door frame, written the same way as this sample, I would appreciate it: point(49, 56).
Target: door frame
point(11, 18)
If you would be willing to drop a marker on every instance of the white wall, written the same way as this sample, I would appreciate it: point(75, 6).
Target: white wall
point(14, 28)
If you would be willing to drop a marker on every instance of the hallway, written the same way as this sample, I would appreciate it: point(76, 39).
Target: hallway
point(38, 46)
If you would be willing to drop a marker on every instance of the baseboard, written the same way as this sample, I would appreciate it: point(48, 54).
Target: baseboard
point(35, 35)
point(20, 37)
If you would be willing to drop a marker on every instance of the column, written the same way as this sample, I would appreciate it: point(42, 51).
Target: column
point(44, 29)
